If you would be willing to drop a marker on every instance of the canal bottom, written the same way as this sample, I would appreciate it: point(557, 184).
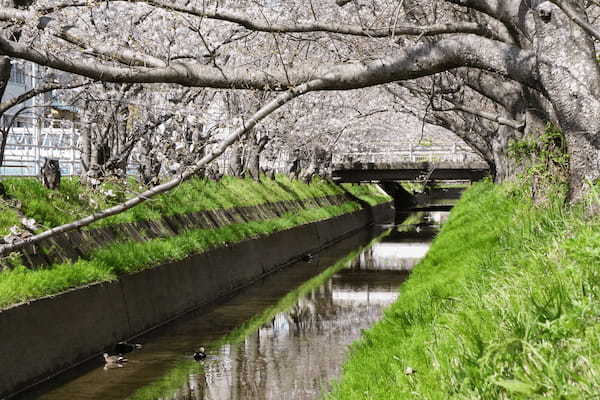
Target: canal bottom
point(284, 337)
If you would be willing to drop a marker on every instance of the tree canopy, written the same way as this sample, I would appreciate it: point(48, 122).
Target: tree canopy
point(494, 72)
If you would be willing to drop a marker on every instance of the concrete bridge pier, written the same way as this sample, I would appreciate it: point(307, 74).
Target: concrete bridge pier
point(403, 199)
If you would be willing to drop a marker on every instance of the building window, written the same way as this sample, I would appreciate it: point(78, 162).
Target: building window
point(17, 75)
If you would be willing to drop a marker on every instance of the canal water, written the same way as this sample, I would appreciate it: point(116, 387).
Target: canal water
point(284, 337)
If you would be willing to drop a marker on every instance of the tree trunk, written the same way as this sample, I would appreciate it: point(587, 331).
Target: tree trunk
point(519, 103)
point(569, 72)
point(253, 156)
point(85, 154)
point(236, 165)
point(5, 68)
point(503, 163)
point(150, 170)
point(295, 164)
point(584, 164)
point(3, 141)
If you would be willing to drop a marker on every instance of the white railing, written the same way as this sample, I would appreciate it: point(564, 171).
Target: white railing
point(413, 154)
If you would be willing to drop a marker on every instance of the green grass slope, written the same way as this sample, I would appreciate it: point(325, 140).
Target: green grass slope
point(73, 200)
point(506, 305)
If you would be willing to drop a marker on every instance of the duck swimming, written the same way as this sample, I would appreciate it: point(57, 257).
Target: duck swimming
point(114, 359)
point(200, 354)
point(124, 347)
point(307, 258)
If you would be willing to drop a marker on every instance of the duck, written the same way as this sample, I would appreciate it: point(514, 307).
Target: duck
point(124, 347)
point(200, 354)
point(307, 257)
point(116, 359)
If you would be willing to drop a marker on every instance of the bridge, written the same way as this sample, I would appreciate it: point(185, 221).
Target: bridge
point(415, 163)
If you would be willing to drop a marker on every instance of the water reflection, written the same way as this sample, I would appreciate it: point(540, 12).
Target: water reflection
point(405, 246)
point(396, 256)
point(299, 351)
point(438, 217)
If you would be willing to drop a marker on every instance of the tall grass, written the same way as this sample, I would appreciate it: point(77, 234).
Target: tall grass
point(72, 201)
point(505, 305)
point(368, 193)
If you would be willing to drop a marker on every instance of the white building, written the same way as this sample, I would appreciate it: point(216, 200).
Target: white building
point(21, 81)
point(33, 136)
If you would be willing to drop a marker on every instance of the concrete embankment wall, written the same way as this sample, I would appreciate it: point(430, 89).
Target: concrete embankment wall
point(70, 246)
point(49, 335)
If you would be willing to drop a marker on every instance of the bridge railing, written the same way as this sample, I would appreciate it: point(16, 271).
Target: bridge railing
point(431, 154)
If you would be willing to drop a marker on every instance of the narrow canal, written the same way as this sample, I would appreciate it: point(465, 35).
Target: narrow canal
point(284, 337)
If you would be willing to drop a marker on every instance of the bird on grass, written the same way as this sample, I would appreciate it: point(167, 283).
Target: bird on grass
point(124, 347)
point(200, 354)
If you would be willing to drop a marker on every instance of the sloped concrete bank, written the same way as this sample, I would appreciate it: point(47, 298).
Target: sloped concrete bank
point(44, 337)
point(72, 245)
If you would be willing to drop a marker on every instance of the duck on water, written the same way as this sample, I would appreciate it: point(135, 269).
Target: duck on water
point(116, 359)
point(200, 354)
point(124, 347)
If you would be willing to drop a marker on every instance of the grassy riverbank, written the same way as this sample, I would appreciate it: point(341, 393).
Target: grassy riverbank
point(107, 263)
point(505, 305)
point(73, 201)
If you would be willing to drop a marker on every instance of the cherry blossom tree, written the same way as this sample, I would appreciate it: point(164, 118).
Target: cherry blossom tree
point(504, 64)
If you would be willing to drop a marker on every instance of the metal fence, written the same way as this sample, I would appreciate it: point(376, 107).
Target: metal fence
point(453, 153)
point(31, 140)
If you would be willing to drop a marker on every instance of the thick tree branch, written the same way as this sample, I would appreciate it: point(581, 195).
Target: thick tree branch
point(121, 54)
point(5, 69)
point(241, 131)
point(73, 35)
point(504, 92)
point(4, 106)
point(354, 30)
point(309, 27)
point(57, 7)
point(420, 60)
point(15, 15)
point(518, 125)
point(509, 12)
